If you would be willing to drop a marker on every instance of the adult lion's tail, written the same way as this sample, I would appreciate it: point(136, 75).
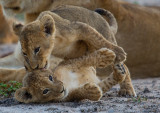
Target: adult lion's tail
point(112, 19)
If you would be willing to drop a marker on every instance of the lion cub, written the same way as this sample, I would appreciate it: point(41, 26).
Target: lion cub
point(71, 80)
point(51, 34)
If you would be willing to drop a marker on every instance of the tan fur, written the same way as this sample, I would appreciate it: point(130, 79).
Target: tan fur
point(6, 33)
point(72, 80)
point(70, 37)
point(137, 25)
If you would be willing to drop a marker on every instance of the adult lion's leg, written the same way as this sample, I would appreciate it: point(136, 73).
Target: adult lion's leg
point(12, 74)
point(126, 87)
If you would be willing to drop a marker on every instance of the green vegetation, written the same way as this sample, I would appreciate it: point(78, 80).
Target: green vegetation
point(8, 89)
point(139, 99)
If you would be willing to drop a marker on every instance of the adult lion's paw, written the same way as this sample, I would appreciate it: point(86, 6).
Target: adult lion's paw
point(92, 91)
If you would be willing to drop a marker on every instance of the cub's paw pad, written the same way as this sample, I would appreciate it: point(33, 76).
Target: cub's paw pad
point(127, 93)
point(92, 91)
point(120, 69)
point(119, 72)
point(106, 57)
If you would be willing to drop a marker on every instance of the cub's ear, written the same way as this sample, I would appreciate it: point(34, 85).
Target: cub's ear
point(48, 24)
point(17, 28)
point(22, 95)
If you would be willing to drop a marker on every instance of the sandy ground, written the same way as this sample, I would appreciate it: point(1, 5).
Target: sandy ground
point(148, 101)
point(148, 91)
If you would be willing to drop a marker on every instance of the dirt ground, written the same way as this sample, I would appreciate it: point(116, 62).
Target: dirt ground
point(148, 101)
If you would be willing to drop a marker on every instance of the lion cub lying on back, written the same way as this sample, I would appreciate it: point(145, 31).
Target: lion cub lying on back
point(72, 80)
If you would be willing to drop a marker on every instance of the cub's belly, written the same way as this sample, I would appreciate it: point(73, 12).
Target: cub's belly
point(73, 79)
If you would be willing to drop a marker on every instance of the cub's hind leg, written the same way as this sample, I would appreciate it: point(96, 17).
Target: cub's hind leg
point(89, 91)
point(116, 77)
point(126, 87)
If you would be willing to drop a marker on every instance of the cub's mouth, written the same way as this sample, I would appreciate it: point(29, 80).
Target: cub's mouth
point(63, 90)
point(45, 67)
point(65, 93)
point(12, 8)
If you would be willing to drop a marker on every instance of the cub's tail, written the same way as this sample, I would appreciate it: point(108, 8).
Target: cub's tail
point(112, 19)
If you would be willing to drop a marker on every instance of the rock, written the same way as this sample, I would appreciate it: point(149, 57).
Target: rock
point(146, 90)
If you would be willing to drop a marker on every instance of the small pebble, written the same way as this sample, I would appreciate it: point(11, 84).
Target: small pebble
point(146, 90)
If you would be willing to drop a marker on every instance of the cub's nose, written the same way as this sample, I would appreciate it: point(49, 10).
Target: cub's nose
point(34, 66)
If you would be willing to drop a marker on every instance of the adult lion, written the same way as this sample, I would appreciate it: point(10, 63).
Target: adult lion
point(138, 28)
point(6, 32)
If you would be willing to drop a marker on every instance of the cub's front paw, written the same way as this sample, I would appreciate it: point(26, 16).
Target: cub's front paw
point(92, 91)
point(119, 72)
point(106, 57)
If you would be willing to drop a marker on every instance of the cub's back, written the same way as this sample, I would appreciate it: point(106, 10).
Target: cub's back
point(95, 20)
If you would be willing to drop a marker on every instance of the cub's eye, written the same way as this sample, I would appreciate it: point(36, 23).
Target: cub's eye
point(24, 54)
point(45, 91)
point(50, 78)
point(36, 50)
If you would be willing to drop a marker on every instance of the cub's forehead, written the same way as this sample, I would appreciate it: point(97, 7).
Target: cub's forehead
point(31, 34)
point(37, 79)
point(31, 29)
point(37, 76)
point(40, 73)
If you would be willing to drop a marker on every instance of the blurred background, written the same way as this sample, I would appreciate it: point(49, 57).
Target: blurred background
point(145, 2)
